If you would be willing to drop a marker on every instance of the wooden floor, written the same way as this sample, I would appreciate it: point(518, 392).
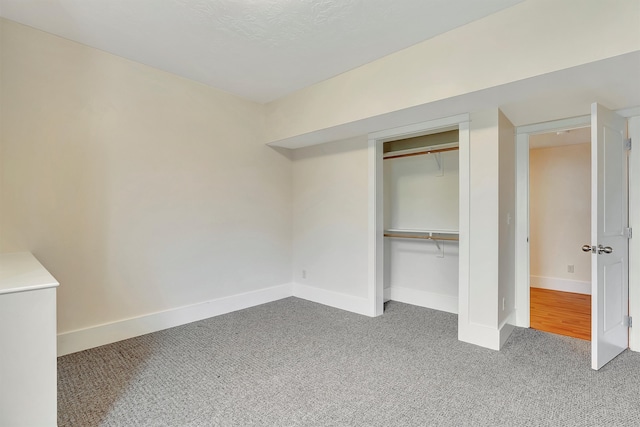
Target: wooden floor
point(562, 313)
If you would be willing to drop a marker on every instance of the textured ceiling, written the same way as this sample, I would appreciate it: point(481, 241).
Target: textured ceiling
point(257, 49)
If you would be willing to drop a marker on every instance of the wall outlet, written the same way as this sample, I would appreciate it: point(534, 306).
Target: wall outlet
point(570, 268)
point(304, 274)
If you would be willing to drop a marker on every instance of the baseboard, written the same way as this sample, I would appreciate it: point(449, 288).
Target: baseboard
point(507, 327)
point(480, 335)
point(564, 285)
point(333, 299)
point(83, 339)
point(424, 299)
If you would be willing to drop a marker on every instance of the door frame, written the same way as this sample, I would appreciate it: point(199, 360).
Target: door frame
point(376, 203)
point(633, 132)
point(522, 206)
point(522, 214)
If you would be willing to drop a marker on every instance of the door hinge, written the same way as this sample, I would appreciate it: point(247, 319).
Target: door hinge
point(628, 232)
point(629, 321)
point(627, 144)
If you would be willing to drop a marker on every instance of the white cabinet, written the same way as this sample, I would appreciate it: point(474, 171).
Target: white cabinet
point(28, 382)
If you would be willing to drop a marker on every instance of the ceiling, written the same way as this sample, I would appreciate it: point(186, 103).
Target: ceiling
point(257, 49)
point(557, 139)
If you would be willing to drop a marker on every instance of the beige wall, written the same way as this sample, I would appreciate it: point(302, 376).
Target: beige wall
point(560, 211)
point(491, 231)
point(483, 221)
point(330, 216)
point(463, 61)
point(506, 218)
point(140, 191)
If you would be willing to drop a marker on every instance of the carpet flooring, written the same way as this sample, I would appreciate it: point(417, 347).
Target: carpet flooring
point(297, 363)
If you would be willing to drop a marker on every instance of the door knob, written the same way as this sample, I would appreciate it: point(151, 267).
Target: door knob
point(587, 248)
point(604, 249)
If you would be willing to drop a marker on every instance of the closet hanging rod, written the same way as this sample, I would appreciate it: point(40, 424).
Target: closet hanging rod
point(404, 236)
point(419, 153)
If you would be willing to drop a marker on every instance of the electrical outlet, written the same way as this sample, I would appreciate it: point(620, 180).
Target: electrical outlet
point(304, 274)
point(570, 268)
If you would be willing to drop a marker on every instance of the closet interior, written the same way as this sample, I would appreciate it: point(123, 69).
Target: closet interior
point(421, 203)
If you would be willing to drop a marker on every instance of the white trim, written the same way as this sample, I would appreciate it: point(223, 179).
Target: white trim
point(522, 230)
point(94, 336)
point(425, 299)
point(332, 299)
point(465, 328)
point(634, 223)
point(480, 335)
point(376, 225)
point(563, 285)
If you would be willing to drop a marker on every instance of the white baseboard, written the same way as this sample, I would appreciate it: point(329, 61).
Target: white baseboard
point(480, 335)
point(564, 285)
point(333, 299)
point(507, 327)
point(424, 299)
point(83, 339)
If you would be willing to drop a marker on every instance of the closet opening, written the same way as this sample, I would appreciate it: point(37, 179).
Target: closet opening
point(559, 224)
point(420, 176)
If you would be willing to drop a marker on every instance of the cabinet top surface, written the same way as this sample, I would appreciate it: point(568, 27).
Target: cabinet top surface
point(21, 271)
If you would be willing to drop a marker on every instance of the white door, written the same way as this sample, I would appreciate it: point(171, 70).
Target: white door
point(609, 242)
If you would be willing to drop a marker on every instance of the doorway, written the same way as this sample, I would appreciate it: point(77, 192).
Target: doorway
point(559, 224)
point(608, 246)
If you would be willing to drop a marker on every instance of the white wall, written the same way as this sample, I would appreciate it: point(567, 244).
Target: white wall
point(420, 195)
point(560, 217)
point(491, 195)
point(138, 190)
point(506, 222)
point(330, 220)
point(465, 60)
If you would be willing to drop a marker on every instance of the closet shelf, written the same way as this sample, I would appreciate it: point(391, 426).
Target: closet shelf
point(419, 153)
point(443, 235)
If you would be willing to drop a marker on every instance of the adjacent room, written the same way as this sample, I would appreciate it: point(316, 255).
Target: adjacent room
point(275, 213)
point(560, 218)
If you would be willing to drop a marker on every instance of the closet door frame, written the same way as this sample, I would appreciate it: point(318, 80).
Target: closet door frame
point(376, 204)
